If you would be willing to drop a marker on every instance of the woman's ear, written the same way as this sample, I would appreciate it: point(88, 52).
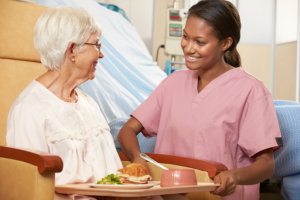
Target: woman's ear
point(227, 42)
point(70, 51)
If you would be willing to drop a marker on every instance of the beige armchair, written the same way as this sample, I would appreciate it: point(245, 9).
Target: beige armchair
point(24, 174)
point(27, 175)
point(30, 175)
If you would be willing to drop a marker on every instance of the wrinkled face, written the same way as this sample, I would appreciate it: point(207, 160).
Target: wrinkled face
point(201, 48)
point(87, 58)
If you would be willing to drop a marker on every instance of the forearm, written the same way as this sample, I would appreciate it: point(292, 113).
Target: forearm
point(129, 142)
point(260, 170)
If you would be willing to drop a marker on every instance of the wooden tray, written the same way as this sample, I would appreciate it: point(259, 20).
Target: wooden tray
point(86, 189)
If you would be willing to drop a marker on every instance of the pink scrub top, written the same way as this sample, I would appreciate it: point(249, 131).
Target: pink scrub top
point(229, 121)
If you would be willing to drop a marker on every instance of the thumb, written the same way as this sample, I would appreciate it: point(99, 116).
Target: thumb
point(217, 180)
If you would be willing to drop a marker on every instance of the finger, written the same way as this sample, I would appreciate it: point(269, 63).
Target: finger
point(229, 188)
point(222, 183)
point(225, 187)
point(220, 190)
point(217, 179)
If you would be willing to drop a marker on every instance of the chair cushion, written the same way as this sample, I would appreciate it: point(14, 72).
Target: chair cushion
point(20, 180)
point(285, 103)
point(16, 34)
point(290, 187)
point(287, 158)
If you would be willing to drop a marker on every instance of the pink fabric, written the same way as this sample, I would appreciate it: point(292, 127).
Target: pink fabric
point(229, 121)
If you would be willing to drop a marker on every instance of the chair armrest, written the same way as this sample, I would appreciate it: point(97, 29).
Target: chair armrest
point(45, 162)
point(211, 167)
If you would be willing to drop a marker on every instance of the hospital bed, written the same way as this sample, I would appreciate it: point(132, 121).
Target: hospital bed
point(31, 175)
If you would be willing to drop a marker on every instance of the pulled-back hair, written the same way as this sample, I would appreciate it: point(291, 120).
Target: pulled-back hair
point(224, 18)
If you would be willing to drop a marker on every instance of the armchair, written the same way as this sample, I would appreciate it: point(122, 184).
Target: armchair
point(27, 175)
point(24, 174)
point(30, 175)
point(287, 158)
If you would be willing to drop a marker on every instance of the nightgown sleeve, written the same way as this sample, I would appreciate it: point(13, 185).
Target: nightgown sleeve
point(25, 128)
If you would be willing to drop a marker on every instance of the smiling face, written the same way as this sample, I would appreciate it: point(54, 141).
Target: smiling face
point(201, 48)
point(87, 58)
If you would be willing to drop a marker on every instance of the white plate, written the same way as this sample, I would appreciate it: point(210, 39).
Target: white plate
point(123, 186)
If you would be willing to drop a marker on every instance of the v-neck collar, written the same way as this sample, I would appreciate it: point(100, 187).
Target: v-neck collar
point(215, 82)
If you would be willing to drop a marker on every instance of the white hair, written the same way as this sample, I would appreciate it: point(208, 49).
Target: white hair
point(56, 28)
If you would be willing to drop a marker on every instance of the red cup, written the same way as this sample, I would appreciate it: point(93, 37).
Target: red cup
point(178, 177)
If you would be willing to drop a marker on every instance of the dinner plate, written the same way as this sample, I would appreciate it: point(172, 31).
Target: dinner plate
point(123, 186)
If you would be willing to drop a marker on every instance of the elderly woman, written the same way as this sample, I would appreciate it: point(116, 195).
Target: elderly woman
point(52, 114)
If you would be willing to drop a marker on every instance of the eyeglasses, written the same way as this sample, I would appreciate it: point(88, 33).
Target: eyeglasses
point(97, 45)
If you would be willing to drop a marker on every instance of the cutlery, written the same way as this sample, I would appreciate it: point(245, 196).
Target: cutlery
point(144, 156)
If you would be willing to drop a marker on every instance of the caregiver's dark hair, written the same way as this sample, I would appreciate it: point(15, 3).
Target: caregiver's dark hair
point(224, 18)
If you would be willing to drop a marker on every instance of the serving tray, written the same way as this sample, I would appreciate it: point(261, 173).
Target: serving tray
point(89, 189)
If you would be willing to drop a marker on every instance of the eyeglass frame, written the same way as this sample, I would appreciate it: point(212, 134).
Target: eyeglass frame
point(97, 45)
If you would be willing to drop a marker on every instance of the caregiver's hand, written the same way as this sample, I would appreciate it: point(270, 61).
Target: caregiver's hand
point(227, 183)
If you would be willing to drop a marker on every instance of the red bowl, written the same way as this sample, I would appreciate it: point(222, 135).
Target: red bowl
point(178, 177)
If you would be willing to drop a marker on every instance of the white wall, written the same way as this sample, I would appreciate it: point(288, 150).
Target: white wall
point(257, 18)
point(257, 21)
point(286, 21)
point(140, 13)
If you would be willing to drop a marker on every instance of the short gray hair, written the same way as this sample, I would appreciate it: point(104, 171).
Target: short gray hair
point(56, 28)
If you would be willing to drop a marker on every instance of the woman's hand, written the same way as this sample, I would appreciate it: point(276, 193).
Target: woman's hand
point(261, 169)
point(227, 183)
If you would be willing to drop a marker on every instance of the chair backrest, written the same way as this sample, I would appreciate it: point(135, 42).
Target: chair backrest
point(19, 61)
point(287, 158)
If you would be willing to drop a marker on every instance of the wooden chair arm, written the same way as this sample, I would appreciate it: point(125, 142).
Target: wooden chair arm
point(45, 162)
point(211, 167)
